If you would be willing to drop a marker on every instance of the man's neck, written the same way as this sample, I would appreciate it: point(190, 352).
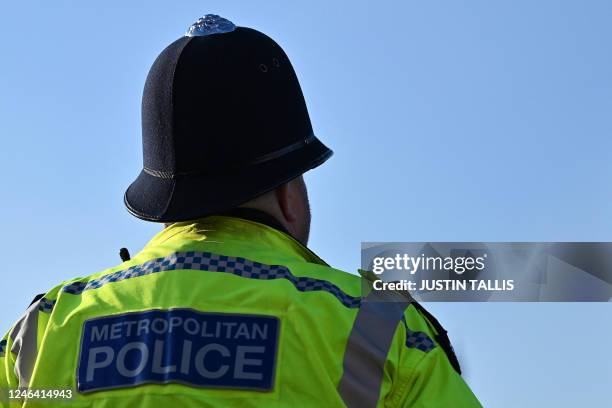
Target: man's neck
point(256, 215)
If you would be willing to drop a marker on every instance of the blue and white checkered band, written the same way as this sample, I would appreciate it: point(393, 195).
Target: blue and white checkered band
point(46, 305)
point(210, 24)
point(418, 340)
point(206, 261)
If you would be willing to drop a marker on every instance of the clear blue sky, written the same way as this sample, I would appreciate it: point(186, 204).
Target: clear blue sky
point(451, 121)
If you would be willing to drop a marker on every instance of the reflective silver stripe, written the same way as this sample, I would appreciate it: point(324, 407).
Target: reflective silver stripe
point(24, 336)
point(367, 347)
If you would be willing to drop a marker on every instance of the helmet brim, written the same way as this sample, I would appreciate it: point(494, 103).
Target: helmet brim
point(187, 197)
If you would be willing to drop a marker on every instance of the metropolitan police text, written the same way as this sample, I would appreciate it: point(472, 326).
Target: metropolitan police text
point(243, 356)
point(228, 330)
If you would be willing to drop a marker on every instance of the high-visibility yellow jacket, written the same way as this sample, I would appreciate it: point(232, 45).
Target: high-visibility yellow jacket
point(224, 312)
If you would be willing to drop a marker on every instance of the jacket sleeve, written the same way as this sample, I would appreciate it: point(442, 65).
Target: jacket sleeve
point(19, 349)
point(426, 377)
point(434, 383)
point(8, 379)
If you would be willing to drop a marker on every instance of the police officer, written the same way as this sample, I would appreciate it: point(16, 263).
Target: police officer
point(226, 306)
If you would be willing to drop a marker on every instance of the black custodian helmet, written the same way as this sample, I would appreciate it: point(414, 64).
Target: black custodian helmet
point(223, 121)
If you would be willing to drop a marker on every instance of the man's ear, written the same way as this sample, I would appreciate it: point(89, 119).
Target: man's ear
point(286, 201)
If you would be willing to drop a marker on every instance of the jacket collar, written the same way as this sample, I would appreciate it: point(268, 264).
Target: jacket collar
point(253, 228)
